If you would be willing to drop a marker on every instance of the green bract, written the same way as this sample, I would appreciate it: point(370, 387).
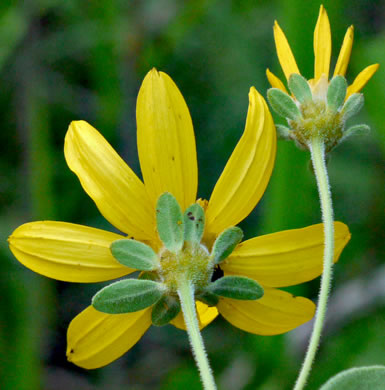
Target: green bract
point(135, 254)
point(336, 92)
point(283, 104)
point(127, 296)
point(225, 244)
point(299, 88)
point(194, 223)
point(165, 310)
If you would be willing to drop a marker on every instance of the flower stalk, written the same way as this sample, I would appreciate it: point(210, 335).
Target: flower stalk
point(317, 151)
point(186, 296)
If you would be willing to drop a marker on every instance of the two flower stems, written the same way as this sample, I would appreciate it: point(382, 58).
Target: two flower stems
point(186, 296)
point(317, 151)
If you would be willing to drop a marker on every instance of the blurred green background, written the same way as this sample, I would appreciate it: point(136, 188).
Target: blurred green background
point(68, 60)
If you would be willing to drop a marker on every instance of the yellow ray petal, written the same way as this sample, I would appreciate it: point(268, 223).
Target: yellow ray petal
point(285, 55)
point(206, 315)
point(245, 177)
point(95, 339)
point(285, 258)
point(113, 186)
point(166, 142)
point(322, 45)
point(276, 312)
point(275, 82)
point(65, 251)
point(362, 79)
point(344, 56)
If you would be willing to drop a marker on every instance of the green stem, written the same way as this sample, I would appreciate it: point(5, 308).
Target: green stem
point(317, 150)
point(186, 296)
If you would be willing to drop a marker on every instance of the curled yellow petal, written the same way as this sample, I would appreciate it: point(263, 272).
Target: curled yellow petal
point(285, 55)
point(285, 258)
point(68, 252)
point(344, 56)
point(275, 82)
point(205, 313)
point(275, 313)
point(166, 142)
point(113, 186)
point(245, 177)
point(95, 339)
point(362, 79)
point(322, 45)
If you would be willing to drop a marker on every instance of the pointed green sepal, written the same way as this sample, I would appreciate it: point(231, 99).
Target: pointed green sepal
point(194, 223)
point(169, 221)
point(165, 310)
point(300, 88)
point(135, 254)
point(352, 106)
point(357, 130)
point(283, 132)
point(336, 92)
point(127, 296)
point(236, 287)
point(208, 298)
point(283, 104)
point(225, 244)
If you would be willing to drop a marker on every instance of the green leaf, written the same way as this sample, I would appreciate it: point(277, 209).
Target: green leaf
point(208, 298)
point(225, 244)
point(300, 88)
point(336, 92)
point(283, 104)
point(169, 221)
point(165, 310)
point(353, 105)
point(194, 223)
point(357, 130)
point(134, 254)
point(236, 287)
point(127, 296)
point(358, 378)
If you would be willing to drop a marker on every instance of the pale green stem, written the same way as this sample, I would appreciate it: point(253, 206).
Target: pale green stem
point(186, 296)
point(317, 150)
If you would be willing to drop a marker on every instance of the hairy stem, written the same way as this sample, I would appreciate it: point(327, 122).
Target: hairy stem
point(186, 295)
point(317, 150)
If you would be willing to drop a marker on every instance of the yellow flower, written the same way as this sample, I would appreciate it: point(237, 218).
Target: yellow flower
point(167, 155)
point(322, 54)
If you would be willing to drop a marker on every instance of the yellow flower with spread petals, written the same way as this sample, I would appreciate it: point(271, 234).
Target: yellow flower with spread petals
point(322, 56)
point(166, 147)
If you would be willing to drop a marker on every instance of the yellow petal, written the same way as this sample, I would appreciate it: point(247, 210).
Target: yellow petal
point(362, 79)
point(95, 339)
point(344, 56)
point(206, 315)
point(285, 55)
point(276, 312)
point(322, 45)
point(245, 177)
point(65, 251)
point(285, 258)
point(275, 82)
point(166, 142)
point(118, 193)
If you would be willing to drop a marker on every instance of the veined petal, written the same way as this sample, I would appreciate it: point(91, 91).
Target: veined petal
point(362, 79)
point(322, 45)
point(166, 142)
point(285, 258)
point(95, 339)
point(275, 82)
point(117, 192)
point(206, 315)
point(245, 177)
point(68, 252)
point(275, 313)
point(344, 56)
point(285, 55)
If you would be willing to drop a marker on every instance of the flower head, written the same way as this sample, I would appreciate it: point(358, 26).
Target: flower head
point(318, 107)
point(169, 235)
